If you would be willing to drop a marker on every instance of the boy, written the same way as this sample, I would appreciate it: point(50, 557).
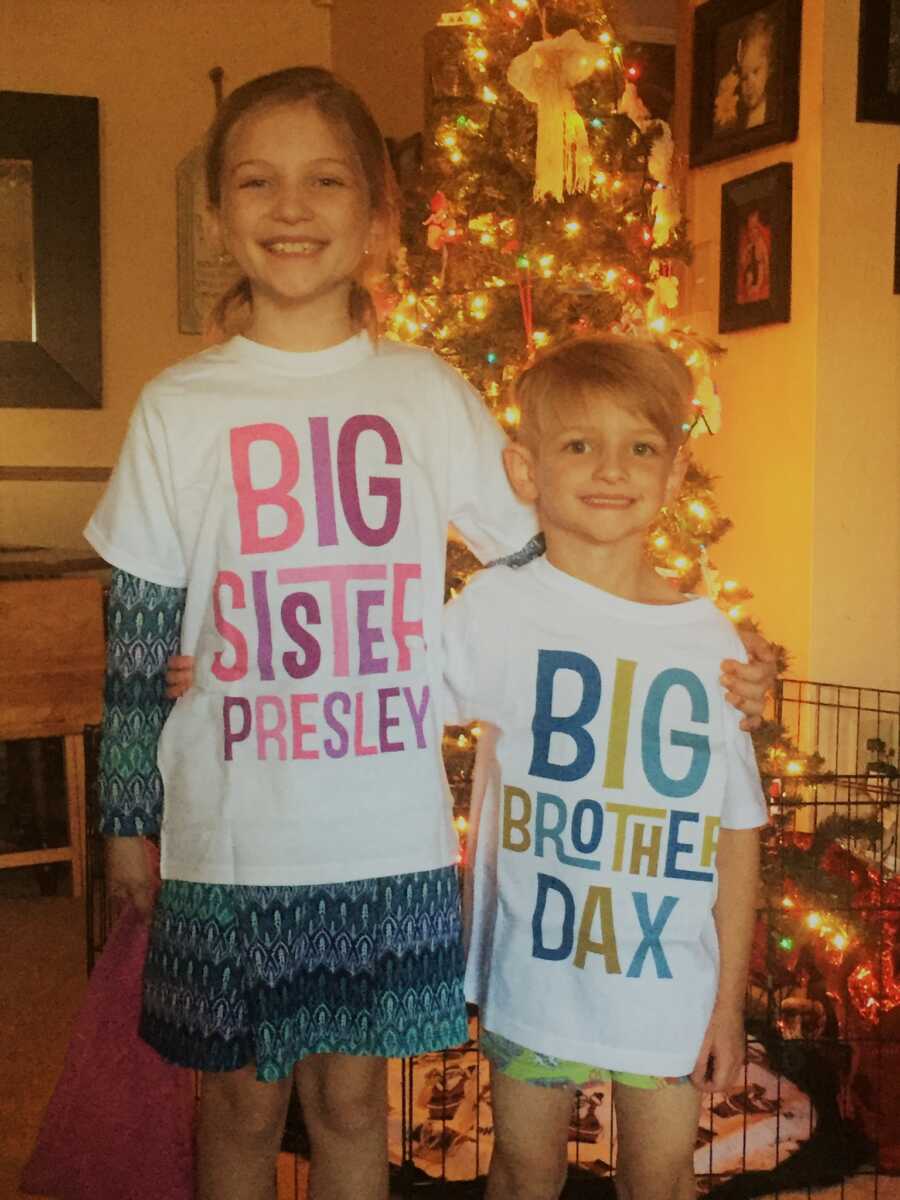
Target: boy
point(617, 856)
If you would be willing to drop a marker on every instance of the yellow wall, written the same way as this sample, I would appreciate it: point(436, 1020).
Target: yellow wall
point(809, 450)
point(855, 611)
point(378, 49)
point(147, 63)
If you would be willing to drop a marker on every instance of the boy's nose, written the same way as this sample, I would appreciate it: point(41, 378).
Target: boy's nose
point(609, 467)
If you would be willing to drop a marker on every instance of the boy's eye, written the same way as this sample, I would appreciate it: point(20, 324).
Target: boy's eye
point(254, 182)
point(577, 446)
point(645, 449)
point(330, 181)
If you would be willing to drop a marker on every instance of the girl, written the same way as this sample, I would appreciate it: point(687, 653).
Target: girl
point(281, 506)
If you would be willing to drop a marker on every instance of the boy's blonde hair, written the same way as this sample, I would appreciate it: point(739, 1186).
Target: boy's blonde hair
point(643, 375)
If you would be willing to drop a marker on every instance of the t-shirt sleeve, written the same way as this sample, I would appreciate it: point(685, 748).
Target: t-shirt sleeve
point(744, 806)
point(134, 526)
point(483, 506)
point(473, 663)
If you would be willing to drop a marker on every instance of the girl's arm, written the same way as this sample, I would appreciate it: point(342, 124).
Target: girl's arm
point(737, 864)
point(144, 624)
point(747, 684)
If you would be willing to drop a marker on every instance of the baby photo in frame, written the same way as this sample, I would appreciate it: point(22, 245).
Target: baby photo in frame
point(746, 78)
point(755, 271)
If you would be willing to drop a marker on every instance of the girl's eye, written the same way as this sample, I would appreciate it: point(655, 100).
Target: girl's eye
point(330, 181)
point(253, 183)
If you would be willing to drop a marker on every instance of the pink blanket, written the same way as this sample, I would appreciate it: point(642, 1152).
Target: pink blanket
point(119, 1124)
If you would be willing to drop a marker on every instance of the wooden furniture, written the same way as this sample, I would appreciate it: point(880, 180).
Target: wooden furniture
point(51, 685)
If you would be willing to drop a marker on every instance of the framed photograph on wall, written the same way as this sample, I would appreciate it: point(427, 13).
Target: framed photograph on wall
point(746, 77)
point(878, 77)
point(755, 271)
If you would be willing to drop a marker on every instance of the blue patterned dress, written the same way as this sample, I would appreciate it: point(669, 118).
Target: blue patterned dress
point(239, 974)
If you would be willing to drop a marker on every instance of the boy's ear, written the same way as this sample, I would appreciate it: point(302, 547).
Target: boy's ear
point(520, 471)
point(677, 472)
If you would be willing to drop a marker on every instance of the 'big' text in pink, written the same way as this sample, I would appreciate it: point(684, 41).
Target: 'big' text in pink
point(251, 499)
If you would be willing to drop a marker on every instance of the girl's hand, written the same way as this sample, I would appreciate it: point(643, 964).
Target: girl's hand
point(179, 675)
point(128, 874)
point(722, 1053)
point(747, 684)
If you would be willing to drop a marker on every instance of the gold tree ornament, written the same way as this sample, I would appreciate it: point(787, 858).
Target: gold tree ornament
point(545, 74)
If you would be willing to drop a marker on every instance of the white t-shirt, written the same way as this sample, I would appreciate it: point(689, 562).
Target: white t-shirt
point(303, 500)
point(617, 759)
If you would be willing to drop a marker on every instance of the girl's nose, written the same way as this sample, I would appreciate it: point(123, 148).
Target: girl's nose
point(292, 204)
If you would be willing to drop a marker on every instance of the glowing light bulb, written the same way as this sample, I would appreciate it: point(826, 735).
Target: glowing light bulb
point(661, 542)
point(473, 18)
point(839, 941)
point(794, 767)
point(814, 920)
point(601, 64)
point(787, 902)
point(540, 337)
point(729, 585)
point(605, 38)
point(682, 563)
point(698, 509)
point(786, 943)
point(462, 741)
point(480, 54)
point(611, 276)
point(511, 414)
point(546, 259)
point(600, 178)
point(489, 95)
point(735, 613)
point(461, 824)
point(573, 227)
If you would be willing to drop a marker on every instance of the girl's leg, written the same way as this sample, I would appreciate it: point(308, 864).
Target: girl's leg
point(239, 1129)
point(344, 1100)
point(657, 1129)
point(531, 1125)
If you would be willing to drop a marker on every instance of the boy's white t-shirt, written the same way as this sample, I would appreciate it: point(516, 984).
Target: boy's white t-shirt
point(303, 500)
point(617, 758)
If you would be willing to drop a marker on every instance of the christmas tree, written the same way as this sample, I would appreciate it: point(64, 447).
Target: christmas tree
point(546, 207)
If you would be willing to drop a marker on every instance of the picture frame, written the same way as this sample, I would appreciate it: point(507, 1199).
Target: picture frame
point(746, 77)
point(755, 266)
point(58, 362)
point(878, 73)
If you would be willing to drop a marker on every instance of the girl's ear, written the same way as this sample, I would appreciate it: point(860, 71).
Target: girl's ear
point(520, 471)
point(214, 229)
point(677, 472)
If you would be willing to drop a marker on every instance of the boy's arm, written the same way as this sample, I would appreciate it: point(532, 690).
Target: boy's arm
point(722, 1052)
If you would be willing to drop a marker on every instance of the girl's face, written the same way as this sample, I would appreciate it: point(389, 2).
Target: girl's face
point(295, 214)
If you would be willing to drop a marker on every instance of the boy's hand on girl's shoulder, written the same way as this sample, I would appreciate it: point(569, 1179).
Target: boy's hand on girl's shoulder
point(722, 1053)
point(748, 684)
point(179, 675)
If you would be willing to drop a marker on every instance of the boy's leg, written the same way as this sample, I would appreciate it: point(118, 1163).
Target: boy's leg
point(657, 1130)
point(531, 1125)
point(344, 1100)
point(239, 1128)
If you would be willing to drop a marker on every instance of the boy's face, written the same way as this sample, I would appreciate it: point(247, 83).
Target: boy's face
point(754, 69)
point(599, 475)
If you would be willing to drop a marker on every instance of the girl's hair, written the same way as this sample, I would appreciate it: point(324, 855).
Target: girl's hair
point(641, 374)
point(340, 105)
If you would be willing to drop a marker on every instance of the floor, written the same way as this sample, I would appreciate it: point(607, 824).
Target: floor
point(42, 982)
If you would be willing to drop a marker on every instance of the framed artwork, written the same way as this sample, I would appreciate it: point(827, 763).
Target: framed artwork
point(878, 78)
point(755, 272)
point(746, 85)
point(50, 347)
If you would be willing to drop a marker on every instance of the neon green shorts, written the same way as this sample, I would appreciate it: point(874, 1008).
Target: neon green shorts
point(518, 1062)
